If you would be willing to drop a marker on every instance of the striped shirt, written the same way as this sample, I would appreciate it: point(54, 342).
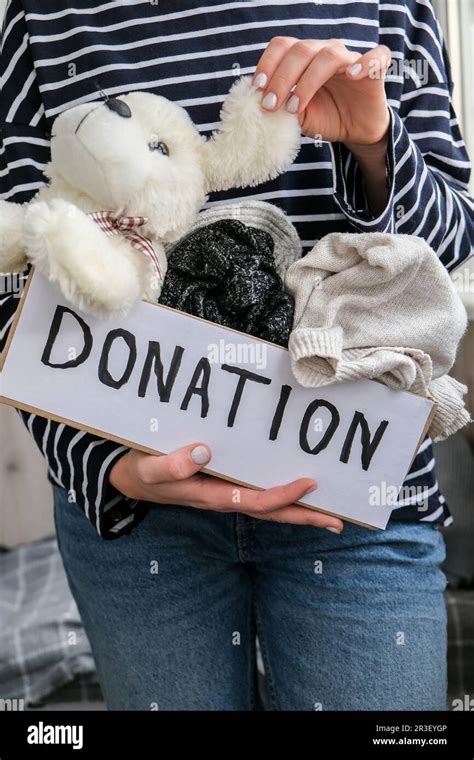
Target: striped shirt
point(54, 57)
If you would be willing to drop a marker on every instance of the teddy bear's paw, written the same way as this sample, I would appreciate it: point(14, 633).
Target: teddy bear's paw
point(96, 273)
point(250, 145)
point(113, 300)
point(43, 227)
point(102, 292)
point(90, 281)
point(104, 279)
point(12, 250)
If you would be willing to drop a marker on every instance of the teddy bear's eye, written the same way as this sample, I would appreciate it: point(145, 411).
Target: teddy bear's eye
point(161, 147)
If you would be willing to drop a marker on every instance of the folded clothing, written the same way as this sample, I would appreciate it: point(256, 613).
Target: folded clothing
point(264, 216)
point(382, 307)
point(225, 272)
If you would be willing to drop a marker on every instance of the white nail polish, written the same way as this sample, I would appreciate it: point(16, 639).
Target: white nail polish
point(293, 104)
point(270, 100)
point(260, 80)
point(334, 530)
point(355, 69)
point(200, 455)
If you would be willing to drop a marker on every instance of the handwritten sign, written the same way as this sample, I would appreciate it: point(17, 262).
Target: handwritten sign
point(159, 379)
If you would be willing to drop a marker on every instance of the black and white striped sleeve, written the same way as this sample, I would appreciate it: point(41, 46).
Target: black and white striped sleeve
point(77, 461)
point(428, 166)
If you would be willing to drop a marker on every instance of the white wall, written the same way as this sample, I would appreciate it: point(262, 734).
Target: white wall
point(26, 511)
point(25, 495)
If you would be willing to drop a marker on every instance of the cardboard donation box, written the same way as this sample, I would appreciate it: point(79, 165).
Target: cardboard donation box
point(160, 379)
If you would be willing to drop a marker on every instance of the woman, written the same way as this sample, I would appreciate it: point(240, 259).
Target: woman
point(346, 618)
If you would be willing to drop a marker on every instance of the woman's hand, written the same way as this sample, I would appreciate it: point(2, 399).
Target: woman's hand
point(338, 95)
point(175, 479)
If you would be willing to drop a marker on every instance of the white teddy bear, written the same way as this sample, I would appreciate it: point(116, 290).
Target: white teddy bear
point(135, 167)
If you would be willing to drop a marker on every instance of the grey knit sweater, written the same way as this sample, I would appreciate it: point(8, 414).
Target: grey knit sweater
point(382, 307)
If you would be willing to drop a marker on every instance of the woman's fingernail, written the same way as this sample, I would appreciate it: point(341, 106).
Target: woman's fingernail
point(260, 80)
point(270, 100)
point(200, 455)
point(334, 530)
point(355, 69)
point(293, 104)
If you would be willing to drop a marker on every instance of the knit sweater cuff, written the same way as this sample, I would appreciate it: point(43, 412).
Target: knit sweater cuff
point(307, 342)
point(309, 348)
point(450, 414)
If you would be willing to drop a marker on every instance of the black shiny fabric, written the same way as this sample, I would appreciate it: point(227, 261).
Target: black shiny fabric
point(225, 272)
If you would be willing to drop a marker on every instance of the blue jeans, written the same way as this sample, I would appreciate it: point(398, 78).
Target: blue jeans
point(349, 622)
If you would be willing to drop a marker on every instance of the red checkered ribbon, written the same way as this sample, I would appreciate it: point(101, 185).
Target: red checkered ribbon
point(125, 225)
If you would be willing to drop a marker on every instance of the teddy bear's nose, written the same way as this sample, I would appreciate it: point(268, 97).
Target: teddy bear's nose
point(118, 107)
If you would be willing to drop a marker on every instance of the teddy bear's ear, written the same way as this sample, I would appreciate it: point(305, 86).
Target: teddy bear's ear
point(250, 145)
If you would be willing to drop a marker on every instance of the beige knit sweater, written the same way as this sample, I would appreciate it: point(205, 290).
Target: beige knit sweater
point(383, 307)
